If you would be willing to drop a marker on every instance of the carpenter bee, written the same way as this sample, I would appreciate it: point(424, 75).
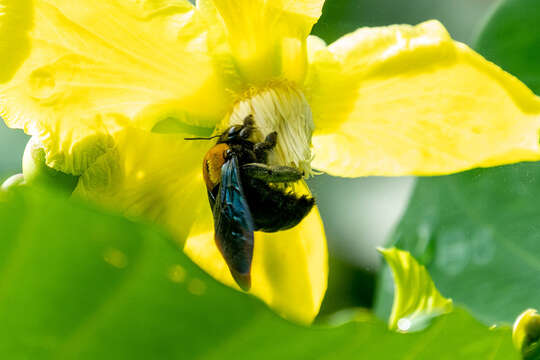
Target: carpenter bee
point(247, 194)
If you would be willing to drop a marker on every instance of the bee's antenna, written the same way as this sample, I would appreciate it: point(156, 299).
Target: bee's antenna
point(202, 138)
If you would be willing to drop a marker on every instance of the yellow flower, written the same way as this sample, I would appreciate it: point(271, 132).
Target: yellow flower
point(111, 88)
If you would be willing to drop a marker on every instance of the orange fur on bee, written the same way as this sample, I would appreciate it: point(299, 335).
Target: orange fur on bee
point(213, 161)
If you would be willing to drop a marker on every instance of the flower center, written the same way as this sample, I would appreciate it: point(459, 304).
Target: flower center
point(284, 109)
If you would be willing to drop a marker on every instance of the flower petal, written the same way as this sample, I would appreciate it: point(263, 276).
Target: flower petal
point(156, 177)
point(404, 100)
point(289, 269)
point(82, 70)
point(261, 40)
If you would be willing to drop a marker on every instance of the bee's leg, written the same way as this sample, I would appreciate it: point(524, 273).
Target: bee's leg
point(261, 149)
point(272, 174)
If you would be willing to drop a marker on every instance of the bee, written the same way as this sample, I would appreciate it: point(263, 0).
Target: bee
point(246, 194)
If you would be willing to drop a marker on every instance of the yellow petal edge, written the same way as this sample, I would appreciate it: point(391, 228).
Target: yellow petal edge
point(402, 100)
point(415, 295)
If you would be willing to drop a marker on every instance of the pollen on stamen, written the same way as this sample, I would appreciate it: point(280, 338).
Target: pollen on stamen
point(284, 109)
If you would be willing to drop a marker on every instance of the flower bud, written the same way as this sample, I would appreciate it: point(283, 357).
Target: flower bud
point(36, 171)
point(526, 334)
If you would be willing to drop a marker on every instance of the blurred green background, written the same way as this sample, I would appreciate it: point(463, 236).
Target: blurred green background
point(12, 144)
point(358, 214)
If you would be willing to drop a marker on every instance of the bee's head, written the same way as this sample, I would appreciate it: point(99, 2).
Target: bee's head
point(238, 134)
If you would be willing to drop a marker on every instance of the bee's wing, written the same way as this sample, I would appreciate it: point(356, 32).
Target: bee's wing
point(233, 224)
point(211, 199)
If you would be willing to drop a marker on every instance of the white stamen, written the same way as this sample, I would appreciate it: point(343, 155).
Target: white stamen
point(284, 109)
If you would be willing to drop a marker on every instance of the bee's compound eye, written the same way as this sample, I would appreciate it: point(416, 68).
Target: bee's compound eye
point(245, 133)
point(233, 130)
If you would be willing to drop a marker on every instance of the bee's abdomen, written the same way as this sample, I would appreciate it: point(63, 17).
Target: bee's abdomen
point(273, 209)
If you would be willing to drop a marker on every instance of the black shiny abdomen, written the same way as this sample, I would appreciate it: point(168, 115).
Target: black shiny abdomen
point(274, 209)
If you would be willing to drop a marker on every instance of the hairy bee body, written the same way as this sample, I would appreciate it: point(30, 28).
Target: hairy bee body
point(246, 195)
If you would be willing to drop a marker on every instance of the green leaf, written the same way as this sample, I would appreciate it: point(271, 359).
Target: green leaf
point(511, 39)
point(477, 232)
point(79, 284)
point(416, 299)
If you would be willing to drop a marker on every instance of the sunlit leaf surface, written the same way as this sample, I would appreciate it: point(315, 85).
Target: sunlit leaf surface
point(78, 284)
point(416, 299)
point(478, 232)
point(478, 235)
